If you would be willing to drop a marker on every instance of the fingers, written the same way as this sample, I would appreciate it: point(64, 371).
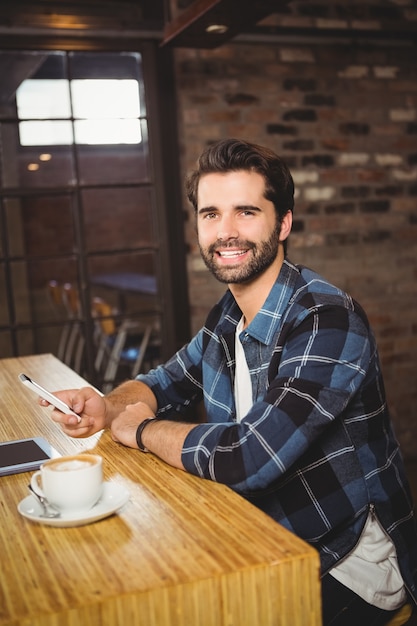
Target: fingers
point(89, 407)
point(71, 426)
point(124, 426)
point(75, 398)
point(123, 429)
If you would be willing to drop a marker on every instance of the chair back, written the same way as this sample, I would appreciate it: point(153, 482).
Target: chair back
point(55, 294)
point(119, 343)
point(71, 300)
point(103, 314)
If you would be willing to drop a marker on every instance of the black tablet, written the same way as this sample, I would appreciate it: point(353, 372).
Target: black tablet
point(24, 455)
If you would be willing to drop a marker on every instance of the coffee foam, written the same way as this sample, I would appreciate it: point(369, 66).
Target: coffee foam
point(70, 464)
point(66, 466)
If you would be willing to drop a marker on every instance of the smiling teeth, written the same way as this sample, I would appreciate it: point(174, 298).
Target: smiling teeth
point(232, 253)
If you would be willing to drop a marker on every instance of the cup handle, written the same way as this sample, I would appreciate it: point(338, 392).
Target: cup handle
point(34, 482)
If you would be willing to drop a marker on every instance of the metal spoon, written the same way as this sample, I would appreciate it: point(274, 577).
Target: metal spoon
point(48, 509)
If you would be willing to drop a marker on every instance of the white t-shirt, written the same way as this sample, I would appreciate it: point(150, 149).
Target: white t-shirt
point(371, 569)
point(243, 385)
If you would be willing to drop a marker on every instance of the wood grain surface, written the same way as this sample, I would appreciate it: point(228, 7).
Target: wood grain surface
point(182, 551)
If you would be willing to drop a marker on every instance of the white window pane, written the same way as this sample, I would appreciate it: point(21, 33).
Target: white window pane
point(45, 133)
point(105, 98)
point(107, 131)
point(43, 99)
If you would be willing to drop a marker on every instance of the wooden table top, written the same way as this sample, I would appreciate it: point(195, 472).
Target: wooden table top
point(182, 550)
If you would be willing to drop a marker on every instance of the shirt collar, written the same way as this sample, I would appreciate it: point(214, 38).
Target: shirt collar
point(265, 324)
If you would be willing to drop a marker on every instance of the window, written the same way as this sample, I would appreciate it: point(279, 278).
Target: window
point(78, 203)
point(104, 111)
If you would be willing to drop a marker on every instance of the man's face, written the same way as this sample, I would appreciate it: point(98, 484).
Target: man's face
point(238, 230)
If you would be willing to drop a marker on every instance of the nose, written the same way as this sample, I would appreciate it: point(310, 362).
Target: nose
point(227, 229)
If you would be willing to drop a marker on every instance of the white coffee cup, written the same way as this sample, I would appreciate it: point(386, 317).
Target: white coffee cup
point(71, 483)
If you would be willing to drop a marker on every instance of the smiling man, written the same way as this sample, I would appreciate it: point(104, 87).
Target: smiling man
point(240, 234)
point(288, 370)
point(239, 240)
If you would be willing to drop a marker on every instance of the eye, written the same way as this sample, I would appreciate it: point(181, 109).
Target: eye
point(209, 215)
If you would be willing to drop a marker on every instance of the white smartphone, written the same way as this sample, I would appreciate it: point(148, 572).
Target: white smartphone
point(47, 395)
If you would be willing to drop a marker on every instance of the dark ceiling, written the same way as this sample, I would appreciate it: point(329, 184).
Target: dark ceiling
point(208, 23)
point(179, 22)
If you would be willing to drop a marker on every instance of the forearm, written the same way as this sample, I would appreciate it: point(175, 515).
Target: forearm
point(162, 437)
point(130, 392)
point(165, 439)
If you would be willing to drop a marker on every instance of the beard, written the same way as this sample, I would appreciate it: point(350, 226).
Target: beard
point(263, 255)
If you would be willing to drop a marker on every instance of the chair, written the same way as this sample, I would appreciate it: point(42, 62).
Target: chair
point(402, 616)
point(55, 296)
point(65, 301)
point(125, 344)
point(74, 348)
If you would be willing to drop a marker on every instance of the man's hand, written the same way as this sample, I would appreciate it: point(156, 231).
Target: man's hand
point(88, 404)
point(96, 411)
point(125, 425)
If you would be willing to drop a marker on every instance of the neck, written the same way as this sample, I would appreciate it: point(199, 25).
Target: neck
point(250, 296)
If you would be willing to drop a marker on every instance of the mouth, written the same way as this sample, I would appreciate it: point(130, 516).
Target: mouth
point(231, 257)
point(230, 254)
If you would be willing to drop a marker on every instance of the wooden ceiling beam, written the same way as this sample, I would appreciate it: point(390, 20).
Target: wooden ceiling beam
point(195, 26)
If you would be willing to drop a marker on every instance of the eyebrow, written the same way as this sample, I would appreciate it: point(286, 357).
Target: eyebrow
point(239, 207)
point(207, 209)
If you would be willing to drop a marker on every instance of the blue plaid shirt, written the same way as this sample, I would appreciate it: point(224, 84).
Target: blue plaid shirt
point(317, 451)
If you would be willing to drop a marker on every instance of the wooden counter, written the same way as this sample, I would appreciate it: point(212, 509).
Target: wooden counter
point(182, 551)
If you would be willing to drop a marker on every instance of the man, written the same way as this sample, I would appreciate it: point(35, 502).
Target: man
point(288, 369)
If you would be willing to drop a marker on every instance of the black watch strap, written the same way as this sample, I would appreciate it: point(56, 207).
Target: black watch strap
point(139, 432)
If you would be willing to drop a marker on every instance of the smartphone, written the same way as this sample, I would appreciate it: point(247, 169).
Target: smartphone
point(25, 455)
point(47, 395)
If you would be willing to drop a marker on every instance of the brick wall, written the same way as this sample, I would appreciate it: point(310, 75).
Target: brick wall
point(344, 117)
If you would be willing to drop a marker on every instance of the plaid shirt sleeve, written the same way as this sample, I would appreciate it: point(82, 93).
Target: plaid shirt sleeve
point(178, 384)
point(322, 359)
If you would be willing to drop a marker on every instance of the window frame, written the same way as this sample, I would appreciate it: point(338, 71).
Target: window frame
point(159, 83)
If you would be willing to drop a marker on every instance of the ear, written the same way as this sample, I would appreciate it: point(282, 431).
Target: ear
point(286, 226)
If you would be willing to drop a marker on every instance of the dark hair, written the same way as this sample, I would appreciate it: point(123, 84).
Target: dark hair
point(230, 155)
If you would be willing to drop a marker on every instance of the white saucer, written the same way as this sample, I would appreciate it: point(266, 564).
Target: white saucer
point(114, 496)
